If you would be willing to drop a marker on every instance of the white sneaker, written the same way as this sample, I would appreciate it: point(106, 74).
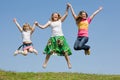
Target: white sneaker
point(21, 52)
point(16, 52)
point(35, 51)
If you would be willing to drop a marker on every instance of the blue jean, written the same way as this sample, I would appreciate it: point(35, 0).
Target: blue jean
point(80, 43)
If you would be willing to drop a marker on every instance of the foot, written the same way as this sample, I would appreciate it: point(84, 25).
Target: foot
point(44, 65)
point(69, 66)
point(87, 52)
point(16, 52)
point(35, 51)
point(23, 53)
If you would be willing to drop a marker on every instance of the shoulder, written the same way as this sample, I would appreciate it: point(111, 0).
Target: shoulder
point(49, 21)
point(89, 19)
point(59, 20)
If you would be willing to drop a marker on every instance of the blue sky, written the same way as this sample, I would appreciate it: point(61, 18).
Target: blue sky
point(103, 36)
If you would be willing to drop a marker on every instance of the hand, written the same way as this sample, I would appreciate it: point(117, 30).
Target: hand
point(100, 8)
point(14, 20)
point(68, 4)
point(36, 23)
point(67, 7)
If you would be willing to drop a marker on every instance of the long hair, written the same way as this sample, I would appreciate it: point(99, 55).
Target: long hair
point(79, 17)
point(59, 16)
point(27, 25)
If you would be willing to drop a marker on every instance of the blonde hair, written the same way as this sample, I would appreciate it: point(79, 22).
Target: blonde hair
point(59, 16)
point(27, 25)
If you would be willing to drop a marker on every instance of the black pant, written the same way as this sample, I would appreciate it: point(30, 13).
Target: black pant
point(80, 43)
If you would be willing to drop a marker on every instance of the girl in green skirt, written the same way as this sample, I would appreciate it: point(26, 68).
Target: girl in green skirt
point(57, 43)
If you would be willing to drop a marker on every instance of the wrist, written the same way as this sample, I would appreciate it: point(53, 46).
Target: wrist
point(98, 10)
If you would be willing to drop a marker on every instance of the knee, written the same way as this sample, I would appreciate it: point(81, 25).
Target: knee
point(65, 53)
point(31, 50)
point(76, 48)
point(25, 53)
point(88, 47)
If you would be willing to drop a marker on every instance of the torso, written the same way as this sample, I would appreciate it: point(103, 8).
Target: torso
point(26, 36)
point(83, 27)
point(56, 28)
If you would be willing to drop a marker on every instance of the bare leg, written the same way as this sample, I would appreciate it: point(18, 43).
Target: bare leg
point(68, 61)
point(46, 60)
point(32, 50)
point(35, 51)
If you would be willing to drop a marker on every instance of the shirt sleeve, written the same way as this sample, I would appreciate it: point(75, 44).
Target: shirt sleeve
point(89, 20)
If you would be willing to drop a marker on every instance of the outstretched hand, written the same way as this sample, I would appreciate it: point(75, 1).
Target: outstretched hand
point(100, 8)
point(14, 20)
point(36, 23)
point(69, 5)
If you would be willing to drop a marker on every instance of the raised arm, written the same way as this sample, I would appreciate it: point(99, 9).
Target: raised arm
point(96, 12)
point(17, 24)
point(72, 11)
point(42, 26)
point(65, 15)
point(33, 28)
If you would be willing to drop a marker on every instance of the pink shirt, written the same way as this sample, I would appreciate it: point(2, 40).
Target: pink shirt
point(83, 27)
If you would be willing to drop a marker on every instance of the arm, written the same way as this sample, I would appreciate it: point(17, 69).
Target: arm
point(96, 12)
point(72, 11)
point(17, 24)
point(33, 28)
point(65, 15)
point(42, 26)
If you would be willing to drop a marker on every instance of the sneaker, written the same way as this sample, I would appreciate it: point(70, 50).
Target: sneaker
point(87, 52)
point(21, 52)
point(16, 52)
point(35, 51)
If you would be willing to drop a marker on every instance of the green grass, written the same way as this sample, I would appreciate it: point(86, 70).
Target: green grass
point(5, 75)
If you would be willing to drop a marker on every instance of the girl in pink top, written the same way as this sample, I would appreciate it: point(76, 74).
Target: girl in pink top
point(83, 21)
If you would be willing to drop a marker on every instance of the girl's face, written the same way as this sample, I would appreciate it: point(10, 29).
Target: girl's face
point(83, 15)
point(26, 28)
point(55, 16)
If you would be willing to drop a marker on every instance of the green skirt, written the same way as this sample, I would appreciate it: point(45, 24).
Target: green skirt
point(57, 45)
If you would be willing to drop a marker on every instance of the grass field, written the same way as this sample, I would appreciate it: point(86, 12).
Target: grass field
point(5, 75)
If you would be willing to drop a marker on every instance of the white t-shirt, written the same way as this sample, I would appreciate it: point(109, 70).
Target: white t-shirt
point(26, 36)
point(56, 28)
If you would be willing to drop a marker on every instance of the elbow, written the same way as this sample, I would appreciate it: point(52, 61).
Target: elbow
point(42, 27)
